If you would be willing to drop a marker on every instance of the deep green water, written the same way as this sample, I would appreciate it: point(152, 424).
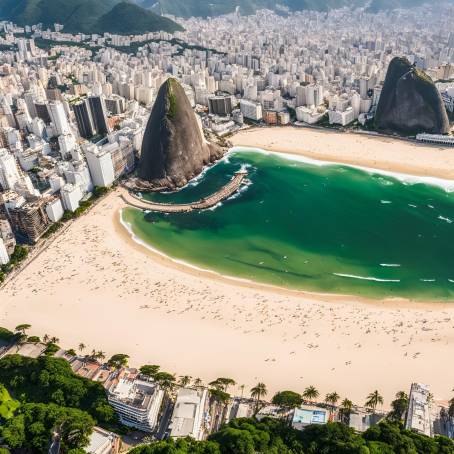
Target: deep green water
point(323, 228)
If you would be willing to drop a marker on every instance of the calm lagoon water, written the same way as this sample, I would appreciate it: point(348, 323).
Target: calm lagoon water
point(311, 226)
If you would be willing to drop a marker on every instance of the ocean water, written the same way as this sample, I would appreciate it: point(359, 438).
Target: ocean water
point(313, 226)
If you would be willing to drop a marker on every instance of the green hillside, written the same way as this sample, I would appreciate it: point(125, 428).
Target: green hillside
point(187, 8)
point(85, 16)
point(124, 17)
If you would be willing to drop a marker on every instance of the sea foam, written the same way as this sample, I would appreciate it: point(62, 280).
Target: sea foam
point(447, 185)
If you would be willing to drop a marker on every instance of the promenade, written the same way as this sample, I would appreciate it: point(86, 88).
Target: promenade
point(207, 202)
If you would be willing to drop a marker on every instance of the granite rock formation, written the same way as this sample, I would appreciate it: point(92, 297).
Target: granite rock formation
point(174, 149)
point(409, 102)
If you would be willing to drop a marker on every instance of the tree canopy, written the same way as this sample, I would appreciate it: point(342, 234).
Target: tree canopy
point(288, 399)
point(34, 425)
point(271, 436)
point(51, 380)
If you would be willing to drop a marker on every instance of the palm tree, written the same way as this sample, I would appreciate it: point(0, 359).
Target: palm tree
point(242, 390)
point(258, 392)
point(311, 393)
point(345, 410)
point(451, 408)
point(46, 338)
point(222, 383)
point(184, 380)
point(82, 347)
point(373, 400)
point(55, 340)
point(401, 395)
point(198, 383)
point(100, 355)
point(332, 398)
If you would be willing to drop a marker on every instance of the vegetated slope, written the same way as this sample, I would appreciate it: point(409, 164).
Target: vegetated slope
point(410, 102)
point(204, 8)
point(124, 17)
point(85, 16)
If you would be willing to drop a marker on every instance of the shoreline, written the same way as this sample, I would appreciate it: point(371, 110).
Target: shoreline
point(354, 149)
point(94, 284)
point(125, 231)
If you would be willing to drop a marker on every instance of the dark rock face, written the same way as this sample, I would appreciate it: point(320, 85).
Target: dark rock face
point(409, 102)
point(173, 148)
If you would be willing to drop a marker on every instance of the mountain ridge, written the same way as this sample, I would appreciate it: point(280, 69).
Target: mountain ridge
point(209, 8)
point(86, 16)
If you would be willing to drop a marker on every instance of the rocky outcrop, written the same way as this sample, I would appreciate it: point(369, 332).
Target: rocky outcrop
point(174, 149)
point(409, 102)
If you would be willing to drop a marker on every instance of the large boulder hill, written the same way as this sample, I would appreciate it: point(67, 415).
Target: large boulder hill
point(174, 149)
point(409, 102)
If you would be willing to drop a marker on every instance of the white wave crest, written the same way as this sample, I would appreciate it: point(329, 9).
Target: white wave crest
point(366, 278)
point(447, 185)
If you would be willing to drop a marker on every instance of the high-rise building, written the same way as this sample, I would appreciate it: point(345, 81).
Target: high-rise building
point(220, 105)
point(58, 117)
point(4, 257)
point(42, 111)
point(84, 119)
point(100, 165)
point(419, 417)
point(29, 220)
point(99, 114)
point(7, 235)
point(71, 196)
point(137, 402)
point(115, 104)
point(9, 173)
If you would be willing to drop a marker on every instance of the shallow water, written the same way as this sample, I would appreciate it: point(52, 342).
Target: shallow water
point(323, 228)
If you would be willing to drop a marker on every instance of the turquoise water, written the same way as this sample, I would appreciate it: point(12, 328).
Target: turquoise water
point(323, 228)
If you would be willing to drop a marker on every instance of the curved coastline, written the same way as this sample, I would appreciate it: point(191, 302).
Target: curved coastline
point(125, 231)
point(447, 185)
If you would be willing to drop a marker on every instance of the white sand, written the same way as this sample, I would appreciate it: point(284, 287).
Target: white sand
point(95, 285)
point(357, 149)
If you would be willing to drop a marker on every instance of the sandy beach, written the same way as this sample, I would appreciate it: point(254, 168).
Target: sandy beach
point(364, 150)
point(95, 285)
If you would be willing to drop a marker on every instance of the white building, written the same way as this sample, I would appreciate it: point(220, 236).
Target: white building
point(103, 442)
point(54, 210)
point(251, 110)
point(4, 257)
point(71, 195)
point(100, 165)
point(58, 117)
point(9, 173)
point(309, 115)
point(137, 403)
point(341, 117)
point(188, 413)
point(66, 142)
point(418, 413)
